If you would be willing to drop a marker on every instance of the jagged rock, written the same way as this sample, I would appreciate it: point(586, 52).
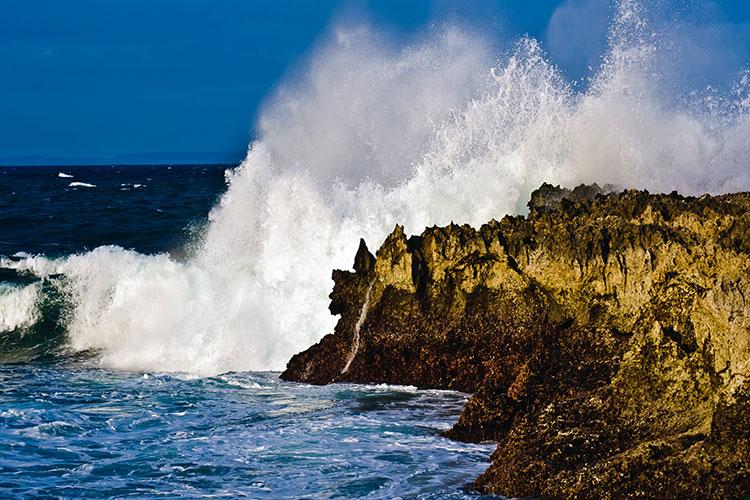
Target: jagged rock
point(549, 197)
point(364, 261)
point(606, 339)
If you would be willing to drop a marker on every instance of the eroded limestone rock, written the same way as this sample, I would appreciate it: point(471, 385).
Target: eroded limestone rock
point(606, 339)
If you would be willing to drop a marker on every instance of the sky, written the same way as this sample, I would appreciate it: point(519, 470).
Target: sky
point(181, 81)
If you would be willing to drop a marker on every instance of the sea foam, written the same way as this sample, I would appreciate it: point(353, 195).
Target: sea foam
point(18, 306)
point(369, 134)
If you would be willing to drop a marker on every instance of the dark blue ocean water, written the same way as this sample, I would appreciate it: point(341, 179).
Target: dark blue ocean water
point(147, 208)
point(70, 429)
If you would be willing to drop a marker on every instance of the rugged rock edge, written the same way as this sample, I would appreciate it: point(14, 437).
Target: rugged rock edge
point(606, 339)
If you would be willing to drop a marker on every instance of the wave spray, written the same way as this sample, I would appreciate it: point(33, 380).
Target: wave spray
point(369, 134)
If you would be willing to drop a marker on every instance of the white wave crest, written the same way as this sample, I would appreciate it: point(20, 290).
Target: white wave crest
point(18, 306)
point(371, 134)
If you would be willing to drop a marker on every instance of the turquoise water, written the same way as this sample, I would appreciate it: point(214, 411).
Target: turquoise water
point(69, 430)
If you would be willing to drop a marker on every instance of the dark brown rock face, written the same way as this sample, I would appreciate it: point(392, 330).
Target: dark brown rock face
point(606, 339)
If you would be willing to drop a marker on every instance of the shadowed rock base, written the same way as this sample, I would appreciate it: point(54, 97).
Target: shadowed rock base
point(606, 339)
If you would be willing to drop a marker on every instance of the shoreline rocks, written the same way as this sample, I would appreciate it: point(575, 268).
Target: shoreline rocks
point(605, 338)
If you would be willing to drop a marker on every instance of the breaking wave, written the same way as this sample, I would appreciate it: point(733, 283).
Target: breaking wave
point(368, 134)
point(18, 306)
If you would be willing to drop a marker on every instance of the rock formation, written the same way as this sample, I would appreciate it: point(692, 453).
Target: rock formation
point(606, 339)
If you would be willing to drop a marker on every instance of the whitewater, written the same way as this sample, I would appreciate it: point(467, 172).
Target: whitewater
point(370, 133)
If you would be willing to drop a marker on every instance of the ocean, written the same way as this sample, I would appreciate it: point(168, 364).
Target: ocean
point(145, 312)
point(72, 427)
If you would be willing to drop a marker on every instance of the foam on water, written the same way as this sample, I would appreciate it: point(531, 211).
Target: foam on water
point(91, 433)
point(18, 306)
point(369, 134)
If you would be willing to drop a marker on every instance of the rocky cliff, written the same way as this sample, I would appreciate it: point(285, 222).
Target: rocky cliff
point(606, 339)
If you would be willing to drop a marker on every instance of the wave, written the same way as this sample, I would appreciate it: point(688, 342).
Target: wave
point(32, 319)
point(369, 134)
point(18, 306)
point(82, 184)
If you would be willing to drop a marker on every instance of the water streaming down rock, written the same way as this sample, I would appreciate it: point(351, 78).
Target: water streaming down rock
point(372, 134)
point(357, 328)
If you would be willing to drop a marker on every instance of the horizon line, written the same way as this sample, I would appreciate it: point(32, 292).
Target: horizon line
point(67, 165)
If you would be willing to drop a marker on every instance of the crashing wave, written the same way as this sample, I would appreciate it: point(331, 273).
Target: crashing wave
point(371, 134)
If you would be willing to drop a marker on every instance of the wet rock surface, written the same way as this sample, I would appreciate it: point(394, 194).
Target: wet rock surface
point(605, 336)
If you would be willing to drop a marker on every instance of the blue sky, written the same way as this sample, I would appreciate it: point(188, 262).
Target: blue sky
point(95, 81)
